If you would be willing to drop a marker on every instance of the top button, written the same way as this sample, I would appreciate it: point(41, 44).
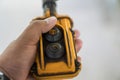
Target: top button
point(54, 34)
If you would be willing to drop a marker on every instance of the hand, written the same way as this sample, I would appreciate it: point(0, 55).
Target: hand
point(19, 56)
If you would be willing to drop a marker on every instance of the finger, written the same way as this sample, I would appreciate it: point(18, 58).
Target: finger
point(78, 44)
point(35, 29)
point(77, 34)
point(79, 59)
point(44, 25)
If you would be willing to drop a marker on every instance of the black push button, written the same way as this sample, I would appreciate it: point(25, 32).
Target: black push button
point(54, 35)
point(54, 50)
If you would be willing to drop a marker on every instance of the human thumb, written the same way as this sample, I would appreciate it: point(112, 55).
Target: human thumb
point(33, 32)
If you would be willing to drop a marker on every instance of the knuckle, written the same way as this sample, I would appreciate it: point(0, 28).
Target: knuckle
point(35, 23)
point(39, 23)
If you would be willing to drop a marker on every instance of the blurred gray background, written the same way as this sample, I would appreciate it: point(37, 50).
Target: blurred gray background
point(97, 20)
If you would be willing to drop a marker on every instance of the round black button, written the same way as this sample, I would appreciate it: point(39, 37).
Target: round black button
point(54, 50)
point(54, 35)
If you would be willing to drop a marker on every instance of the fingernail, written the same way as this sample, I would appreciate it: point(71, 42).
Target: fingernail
point(51, 20)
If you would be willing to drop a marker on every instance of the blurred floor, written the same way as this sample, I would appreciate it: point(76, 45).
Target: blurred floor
point(97, 20)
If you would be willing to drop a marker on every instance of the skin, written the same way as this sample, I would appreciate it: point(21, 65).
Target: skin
point(19, 56)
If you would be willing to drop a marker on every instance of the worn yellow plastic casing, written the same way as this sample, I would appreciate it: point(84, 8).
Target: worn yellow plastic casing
point(65, 68)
